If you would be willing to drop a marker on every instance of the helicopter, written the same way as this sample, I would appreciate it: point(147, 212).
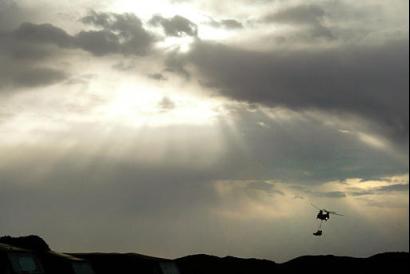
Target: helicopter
point(323, 216)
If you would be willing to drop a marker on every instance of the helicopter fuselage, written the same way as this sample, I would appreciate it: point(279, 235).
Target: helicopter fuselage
point(322, 215)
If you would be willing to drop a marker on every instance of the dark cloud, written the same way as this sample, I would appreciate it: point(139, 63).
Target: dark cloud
point(99, 42)
point(227, 24)
point(118, 34)
point(43, 34)
point(16, 75)
point(231, 24)
point(176, 26)
point(394, 188)
point(26, 57)
point(36, 77)
point(10, 15)
point(157, 76)
point(358, 193)
point(300, 149)
point(331, 194)
point(33, 42)
point(368, 81)
point(31, 49)
point(309, 16)
point(174, 64)
point(166, 104)
point(121, 33)
point(304, 14)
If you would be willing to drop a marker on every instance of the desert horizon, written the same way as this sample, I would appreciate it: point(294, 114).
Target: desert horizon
point(20, 251)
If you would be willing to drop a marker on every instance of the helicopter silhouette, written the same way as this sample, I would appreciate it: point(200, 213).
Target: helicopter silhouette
point(323, 216)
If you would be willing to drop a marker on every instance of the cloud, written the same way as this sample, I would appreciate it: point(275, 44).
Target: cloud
point(381, 190)
point(26, 57)
point(167, 203)
point(303, 192)
point(166, 104)
point(331, 194)
point(120, 33)
point(176, 26)
point(99, 43)
point(22, 76)
point(29, 53)
point(36, 77)
point(231, 24)
point(394, 188)
point(176, 65)
point(267, 188)
point(308, 16)
point(43, 34)
point(33, 42)
point(144, 185)
point(385, 204)
point(366, 80)
point(157, 77)
point(293, 147)
point(158, 188)
point(9, 14)
point(304, 14)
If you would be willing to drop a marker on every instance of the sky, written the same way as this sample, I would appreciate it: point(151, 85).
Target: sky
point(179, 127)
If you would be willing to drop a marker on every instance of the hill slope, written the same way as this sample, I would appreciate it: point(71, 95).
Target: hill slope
point(204, 264)
point(110, 263)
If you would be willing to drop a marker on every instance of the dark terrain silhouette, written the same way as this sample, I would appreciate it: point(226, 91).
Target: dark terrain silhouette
point(51, 262)
point(31, 242)
point(113, 263)
point(104, 263)
point(382, 263)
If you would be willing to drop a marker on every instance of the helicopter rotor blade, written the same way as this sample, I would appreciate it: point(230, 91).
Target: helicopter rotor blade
point(315, 206)
point(334, 213)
